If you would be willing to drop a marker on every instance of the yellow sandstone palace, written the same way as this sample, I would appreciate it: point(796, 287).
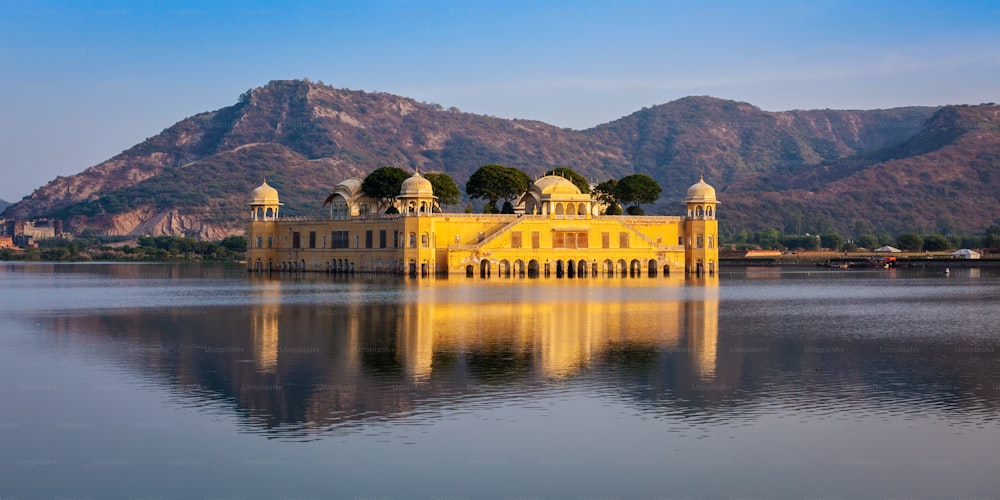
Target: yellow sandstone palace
point(555, 231)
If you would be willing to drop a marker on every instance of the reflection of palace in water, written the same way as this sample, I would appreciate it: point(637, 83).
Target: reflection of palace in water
point(457, 338)
point(555, 328)
point(324, 352)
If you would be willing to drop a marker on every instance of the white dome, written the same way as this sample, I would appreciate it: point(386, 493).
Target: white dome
point(416, 186)
point(701, 192)
point(264, 195)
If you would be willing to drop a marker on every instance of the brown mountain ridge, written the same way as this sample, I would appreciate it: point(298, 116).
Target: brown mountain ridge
point(814, 170)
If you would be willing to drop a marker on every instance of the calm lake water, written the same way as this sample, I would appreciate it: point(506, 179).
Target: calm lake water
point(201, 381)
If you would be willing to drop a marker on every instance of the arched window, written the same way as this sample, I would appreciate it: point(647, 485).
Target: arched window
point(699, 212)
point(270, 212)
point(582, 209)
point(559, 209)
point(260, 241)
point(570, 210)
point(708, 211)
point(260, 213)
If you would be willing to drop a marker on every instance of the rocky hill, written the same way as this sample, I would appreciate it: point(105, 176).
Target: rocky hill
point(811, 169)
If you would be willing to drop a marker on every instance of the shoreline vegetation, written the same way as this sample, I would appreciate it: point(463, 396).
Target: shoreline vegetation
point(820, 258)
point(121, 249)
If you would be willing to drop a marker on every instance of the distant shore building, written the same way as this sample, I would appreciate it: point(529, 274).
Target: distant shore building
point(555, 231)
point(23, 233)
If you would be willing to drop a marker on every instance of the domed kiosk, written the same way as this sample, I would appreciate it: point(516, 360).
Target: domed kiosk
point(416, 195)
point(556, 197)
point(264, 203)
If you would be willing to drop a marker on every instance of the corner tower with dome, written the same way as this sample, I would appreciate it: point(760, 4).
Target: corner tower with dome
point(556, 231)
point(701, 230)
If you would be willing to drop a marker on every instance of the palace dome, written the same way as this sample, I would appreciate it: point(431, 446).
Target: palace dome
point(416, 186)
point(554, 184)
point(264, 195)
point(701, 192)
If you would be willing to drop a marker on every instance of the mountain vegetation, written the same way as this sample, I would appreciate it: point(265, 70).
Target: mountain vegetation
point(915, 169)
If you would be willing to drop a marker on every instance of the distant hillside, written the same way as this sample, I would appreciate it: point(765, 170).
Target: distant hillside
point(3, 205)
point(945, 177)
point(804, 169)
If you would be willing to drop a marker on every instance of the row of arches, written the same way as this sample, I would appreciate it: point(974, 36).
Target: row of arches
point(569, 268)
point(272, 266)
point(701, 212)
point(263, 214)
point(558, 209)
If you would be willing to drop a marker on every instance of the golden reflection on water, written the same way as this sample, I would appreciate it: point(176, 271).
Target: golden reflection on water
point(264, 326)
point(559, 326)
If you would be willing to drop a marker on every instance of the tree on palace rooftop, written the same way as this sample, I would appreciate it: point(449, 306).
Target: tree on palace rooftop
point(496, 182)
point(384, 184)
point(444, 188)
point(607, 193)
point(637, 189)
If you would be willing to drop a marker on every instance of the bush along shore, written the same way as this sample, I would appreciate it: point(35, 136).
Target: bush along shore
point(142, 249)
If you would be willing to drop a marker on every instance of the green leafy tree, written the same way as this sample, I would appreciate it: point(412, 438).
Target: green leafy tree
point(496, 182)
point(234, 243)
point(936, 243)
point(833, 241)
point(578, 180)
point(444, 188)
point(885, 239)
point(770, 238)
point(910, 242)
point(613, 210)
point(384, 184)
point(868, 241)
point(607, 193)
point(638, 189)
point(862, 226)
point(992, 237)
point(801, 242)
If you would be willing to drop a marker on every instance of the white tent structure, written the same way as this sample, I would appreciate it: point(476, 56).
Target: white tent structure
point(887, 249)
point(965, 253)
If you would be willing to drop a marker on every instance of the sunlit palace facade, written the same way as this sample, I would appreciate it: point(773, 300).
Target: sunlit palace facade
point(555, 231)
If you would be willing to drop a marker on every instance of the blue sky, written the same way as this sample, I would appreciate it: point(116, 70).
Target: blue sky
point(83, 81)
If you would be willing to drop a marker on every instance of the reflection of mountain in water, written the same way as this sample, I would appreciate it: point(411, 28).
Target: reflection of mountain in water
point(378, 350)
